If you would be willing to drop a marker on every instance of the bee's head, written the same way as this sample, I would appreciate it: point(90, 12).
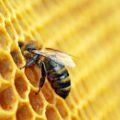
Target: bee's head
point(26, 49)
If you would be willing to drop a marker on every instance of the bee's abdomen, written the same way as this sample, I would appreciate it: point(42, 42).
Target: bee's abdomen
point(60, 81)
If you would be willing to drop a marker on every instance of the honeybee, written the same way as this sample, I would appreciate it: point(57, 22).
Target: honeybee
point(52, 63)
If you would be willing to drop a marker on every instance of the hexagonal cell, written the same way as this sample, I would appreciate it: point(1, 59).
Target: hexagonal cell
point(6, 3)
point(21, 21)
point(75, 95)
point(15, 4)
point(4, 38)
point(20, 84)
point(87, 111)
point(7, 98)
point(10, 29)
point(36, 102)
point(62, 108)
point(28, 17)
point(70, 102)
point(24, 112)
point(31, 14)
point(48, 92)
point(16, 55)
point(6, 67)
point(33, 74)
point(16, 25)
point(3, 10)
point(52, 114)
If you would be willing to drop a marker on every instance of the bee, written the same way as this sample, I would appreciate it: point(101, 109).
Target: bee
point(52, 64)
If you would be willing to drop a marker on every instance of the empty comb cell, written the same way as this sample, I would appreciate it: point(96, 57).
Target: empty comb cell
point(7, 98)
point(20, 85)
point(16, 55)
point(24, 112)
point(37, 102)
point(6, 66)
point(33, 75)
point(52, 114)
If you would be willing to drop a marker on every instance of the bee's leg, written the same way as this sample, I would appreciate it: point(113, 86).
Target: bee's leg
point(43, 74)
point(31, 61)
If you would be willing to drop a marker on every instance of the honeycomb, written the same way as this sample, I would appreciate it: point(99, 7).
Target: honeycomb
point(87, 29)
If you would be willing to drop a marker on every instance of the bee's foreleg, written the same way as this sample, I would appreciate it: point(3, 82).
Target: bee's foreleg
point(43, 75)
point(30, 61)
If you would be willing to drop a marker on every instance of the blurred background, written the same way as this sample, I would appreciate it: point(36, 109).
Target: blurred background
point(86, 29)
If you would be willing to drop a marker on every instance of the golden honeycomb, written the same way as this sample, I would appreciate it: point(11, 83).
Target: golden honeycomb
point(87, 29)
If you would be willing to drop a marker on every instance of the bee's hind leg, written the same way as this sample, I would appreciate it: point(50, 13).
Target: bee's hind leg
point(43, 75)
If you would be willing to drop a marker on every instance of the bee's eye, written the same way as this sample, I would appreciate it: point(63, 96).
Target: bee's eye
point(30, 47)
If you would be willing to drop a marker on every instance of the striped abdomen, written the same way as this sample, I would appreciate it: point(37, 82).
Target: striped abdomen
point(59, 79)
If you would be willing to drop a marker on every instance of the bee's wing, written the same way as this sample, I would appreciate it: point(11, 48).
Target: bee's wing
point(57, 56)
